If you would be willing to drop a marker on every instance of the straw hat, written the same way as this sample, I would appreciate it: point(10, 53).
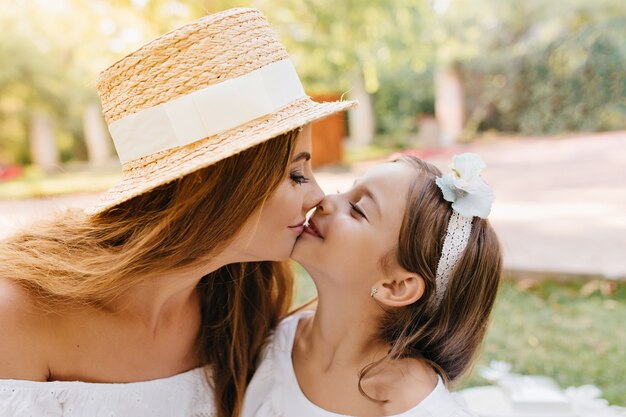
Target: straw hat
point(201, 93)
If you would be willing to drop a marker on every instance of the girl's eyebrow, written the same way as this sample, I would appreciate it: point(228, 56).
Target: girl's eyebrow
point(369, 194)
point(301, 156)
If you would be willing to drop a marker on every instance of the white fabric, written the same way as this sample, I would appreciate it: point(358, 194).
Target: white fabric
point(493, 401)
point(274, 389)
point(454, 243)
point(207, 112)
point(183, 395)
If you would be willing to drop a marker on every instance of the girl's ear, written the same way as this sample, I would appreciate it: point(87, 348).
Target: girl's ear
point(403, 289)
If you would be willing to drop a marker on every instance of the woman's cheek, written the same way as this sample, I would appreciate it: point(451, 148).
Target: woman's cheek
point(292, 201)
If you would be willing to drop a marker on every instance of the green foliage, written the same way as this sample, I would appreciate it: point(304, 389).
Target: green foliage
point(53, 52)
point(561, 331)
point(564, 72)
point(531, 67)
point(382, 40)
point(404, 94)
point(528, 67)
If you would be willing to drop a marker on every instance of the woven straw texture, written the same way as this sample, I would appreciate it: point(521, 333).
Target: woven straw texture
point(204, 52)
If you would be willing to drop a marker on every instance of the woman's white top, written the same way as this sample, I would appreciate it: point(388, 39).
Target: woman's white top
point(274, 390)
point(184, 395)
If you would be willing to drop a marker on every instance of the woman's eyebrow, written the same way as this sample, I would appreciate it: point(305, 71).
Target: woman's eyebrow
point(302, 155)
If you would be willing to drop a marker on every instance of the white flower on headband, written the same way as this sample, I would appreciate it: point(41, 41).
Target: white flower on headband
point(464, 188)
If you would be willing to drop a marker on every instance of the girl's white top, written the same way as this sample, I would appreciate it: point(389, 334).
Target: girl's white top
point(274, 390)
point(184, 395)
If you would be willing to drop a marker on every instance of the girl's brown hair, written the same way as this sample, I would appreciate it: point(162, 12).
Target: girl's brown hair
point(449, 336)
point(78, 260)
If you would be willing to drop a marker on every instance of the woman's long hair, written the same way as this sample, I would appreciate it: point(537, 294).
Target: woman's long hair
point(79, 260)
point(449, 336)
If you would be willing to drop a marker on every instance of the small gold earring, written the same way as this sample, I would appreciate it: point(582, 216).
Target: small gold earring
point(373, 291)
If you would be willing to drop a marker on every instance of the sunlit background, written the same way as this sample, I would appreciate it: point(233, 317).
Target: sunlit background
point(537, 87)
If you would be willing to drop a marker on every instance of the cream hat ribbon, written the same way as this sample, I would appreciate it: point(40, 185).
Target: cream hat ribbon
point(206, 112)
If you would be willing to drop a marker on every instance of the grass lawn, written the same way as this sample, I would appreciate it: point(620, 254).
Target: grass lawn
point(571, 332)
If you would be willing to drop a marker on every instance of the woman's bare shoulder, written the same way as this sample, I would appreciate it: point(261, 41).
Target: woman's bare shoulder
point(24, 330)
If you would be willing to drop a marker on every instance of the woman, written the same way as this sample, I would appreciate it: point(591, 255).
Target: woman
point(169, 273)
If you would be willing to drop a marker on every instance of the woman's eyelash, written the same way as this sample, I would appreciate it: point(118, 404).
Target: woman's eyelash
point(357, 210)
point(298, 178)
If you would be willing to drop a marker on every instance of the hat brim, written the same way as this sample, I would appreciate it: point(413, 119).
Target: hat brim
point(148, 173)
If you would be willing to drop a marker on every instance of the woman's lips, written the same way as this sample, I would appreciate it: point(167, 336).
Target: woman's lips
point(312, 229)
point(299, 227)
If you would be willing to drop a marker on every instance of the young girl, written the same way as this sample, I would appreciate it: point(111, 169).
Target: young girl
point(407, 269)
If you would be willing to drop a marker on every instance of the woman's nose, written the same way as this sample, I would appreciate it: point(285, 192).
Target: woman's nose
point(313, 196)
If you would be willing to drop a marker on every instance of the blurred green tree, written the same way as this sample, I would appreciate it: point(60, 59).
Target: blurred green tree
point(537, 67)
point(52, 52)
point(381, 41)
point(532, 66)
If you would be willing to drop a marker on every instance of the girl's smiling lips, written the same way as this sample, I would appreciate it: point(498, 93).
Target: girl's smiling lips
point(312, 229)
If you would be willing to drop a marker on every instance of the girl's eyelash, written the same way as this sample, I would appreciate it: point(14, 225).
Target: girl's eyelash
point(298, 178)
point(357, 210)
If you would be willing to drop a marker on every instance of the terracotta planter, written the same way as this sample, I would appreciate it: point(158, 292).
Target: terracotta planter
point(328, 135)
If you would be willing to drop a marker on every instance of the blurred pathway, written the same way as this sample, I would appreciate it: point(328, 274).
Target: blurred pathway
point(560, 203)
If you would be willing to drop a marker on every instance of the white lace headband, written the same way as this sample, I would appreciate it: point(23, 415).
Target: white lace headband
point(470, 196)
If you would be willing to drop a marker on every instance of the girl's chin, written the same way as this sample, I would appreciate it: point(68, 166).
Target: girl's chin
point(298, 253)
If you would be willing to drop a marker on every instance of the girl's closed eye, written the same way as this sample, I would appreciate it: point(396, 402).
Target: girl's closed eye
point(357, 210)
point(298, 178)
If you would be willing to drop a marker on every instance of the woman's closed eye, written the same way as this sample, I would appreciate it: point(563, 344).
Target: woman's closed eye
point(298, 178)
point(357, 210)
